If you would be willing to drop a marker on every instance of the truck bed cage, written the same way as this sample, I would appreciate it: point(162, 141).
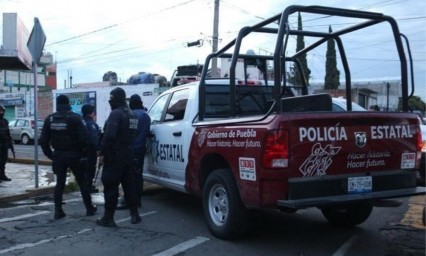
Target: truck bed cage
point(279, 25)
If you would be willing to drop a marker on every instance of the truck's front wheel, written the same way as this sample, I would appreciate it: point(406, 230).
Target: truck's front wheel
point(348, 215)
point(226, 216)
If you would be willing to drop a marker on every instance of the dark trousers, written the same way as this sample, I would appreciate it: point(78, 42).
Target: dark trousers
point(60, 163)
point(91, 167)
point(3, 157)
point(116, 172)
point(139, 161)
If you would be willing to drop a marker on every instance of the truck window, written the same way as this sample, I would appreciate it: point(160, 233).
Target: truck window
point(252, 100)
point(157, 109)
point(177, 106)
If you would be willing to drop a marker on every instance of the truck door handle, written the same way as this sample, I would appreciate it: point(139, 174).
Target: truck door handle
point(177, 134)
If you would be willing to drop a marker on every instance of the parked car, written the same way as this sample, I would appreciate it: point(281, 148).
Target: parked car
point(22, 129)
point(339, 104)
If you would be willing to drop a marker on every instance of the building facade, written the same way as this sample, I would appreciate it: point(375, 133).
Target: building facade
point(17, 90)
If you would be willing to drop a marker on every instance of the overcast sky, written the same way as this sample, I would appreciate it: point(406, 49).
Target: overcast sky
point(90, 38)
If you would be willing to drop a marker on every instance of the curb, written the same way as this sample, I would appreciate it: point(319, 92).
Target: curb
point(34, 192)
point(29, 161)
point(28, 194)
point(44, 191)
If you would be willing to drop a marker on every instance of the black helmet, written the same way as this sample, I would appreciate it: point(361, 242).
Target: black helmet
point(2, 107)
point(135, 102)
point(117, 97)
point(87, 109)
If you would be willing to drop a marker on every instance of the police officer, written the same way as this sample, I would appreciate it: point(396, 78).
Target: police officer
point(117, 157)
point(65, 132)
point(139, 144)
point(88, 112)
point(5, 144)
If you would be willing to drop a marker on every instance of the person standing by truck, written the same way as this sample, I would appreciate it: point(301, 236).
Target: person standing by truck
point(117, 158)
point(139, 144)
point(5, 144)
point(93, 148)
point(64, 131)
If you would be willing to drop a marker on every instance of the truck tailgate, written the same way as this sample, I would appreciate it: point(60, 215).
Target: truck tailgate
point(351, 156)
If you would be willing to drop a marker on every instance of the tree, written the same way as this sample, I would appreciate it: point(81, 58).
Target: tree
point(415, 103)
point(294, 75)
point(332, 74)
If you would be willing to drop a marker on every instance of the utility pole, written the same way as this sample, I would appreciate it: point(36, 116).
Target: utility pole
point(215, 37)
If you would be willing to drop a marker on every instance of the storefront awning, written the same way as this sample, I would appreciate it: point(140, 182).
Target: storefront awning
point(12, 102)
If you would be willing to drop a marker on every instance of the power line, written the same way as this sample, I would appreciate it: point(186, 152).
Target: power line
point(121, 23)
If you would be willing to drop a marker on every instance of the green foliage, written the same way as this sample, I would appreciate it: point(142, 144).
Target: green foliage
point(415, 103)
point(293, 75)
point(332, 74)
point(71, 187)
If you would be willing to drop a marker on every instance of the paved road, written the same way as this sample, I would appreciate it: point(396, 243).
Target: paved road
point(28, 152)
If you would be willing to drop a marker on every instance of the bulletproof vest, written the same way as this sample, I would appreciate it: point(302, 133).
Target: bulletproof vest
point(60, 134)
point(128, 130)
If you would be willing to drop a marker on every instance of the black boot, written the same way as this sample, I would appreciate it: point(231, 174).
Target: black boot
point(107, 220)
point(3, 176)
point(90, 211)
point(59, 213)
point(135, 217)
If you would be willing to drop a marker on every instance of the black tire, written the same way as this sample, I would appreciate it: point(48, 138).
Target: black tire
point(226, 216)
point(25, 139)
point(348, 215)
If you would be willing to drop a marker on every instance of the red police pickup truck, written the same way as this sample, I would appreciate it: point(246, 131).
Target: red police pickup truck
point(244, 147)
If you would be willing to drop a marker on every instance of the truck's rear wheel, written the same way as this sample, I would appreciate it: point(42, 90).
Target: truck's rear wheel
point(348, 215)
point(226, 216)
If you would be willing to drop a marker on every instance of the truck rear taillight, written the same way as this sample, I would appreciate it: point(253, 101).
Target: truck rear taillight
point(421, 143)
point(275, 154)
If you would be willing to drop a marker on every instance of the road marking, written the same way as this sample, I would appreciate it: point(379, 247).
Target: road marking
point(28, 245)
point(142, 215)
point(413, 216)
point(345, 247)
point(23, 216)
point(183, 246)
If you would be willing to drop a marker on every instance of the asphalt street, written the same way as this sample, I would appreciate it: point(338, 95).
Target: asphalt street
point(408, 235)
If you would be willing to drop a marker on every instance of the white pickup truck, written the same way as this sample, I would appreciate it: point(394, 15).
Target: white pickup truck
point(245, 147)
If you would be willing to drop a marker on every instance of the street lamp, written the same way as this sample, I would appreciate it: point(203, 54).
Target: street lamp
point(198, 43)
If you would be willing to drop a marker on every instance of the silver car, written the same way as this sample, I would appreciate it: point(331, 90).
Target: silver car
point(339, 104)
point(22, 129)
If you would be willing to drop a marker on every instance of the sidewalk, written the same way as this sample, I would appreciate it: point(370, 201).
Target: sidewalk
point(23, 184)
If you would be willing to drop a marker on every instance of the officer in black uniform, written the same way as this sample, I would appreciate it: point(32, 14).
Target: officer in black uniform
point(65, 132)
point(88, 112)
point(117, 157)
point(5, 144)
point(139, 144)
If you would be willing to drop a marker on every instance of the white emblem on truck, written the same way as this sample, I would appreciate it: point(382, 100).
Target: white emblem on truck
point(360, 139)
point(319, 160)
point(247, 168)
point(408, 160)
